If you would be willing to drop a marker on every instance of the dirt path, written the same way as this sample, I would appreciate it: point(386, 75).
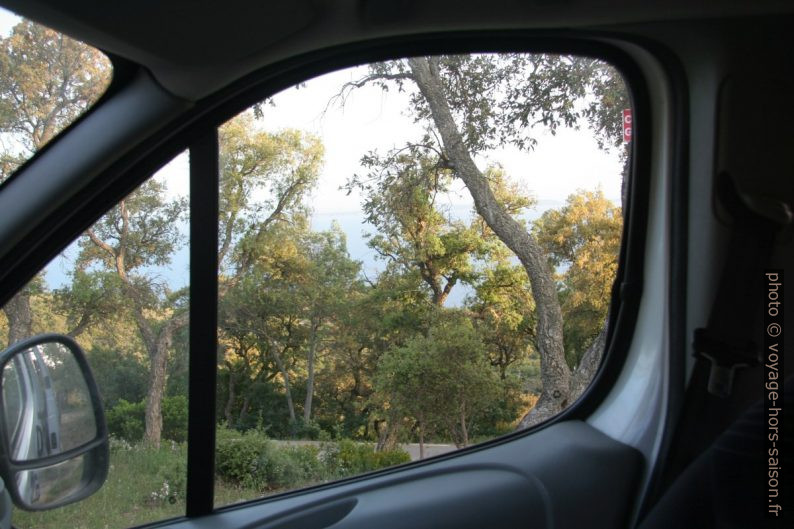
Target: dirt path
point(412, 448)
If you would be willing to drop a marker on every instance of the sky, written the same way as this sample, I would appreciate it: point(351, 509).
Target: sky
point(7, 21)
point(371, 119)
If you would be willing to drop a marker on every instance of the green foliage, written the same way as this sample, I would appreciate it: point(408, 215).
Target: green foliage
point(283, 167)
point(415, 236)
point(441, 380)
point(284, 311)
point(303, 429)
point(175, 418)
point(119, 374)
point(174, 482)
point(144, 484)
point(46, 81)
point(237, 457)
point(388, 458)
point(92, 296)
point(143, 230)
point(583, 240)
point(252, 460)
point(347, 458)
point(126, 420)
point(275, 469)
point(147, 483)
point(494, 101)
point(505, 314)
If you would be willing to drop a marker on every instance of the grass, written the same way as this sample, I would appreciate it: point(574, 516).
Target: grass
point(147, 485)
point(144, 485)
point(126, 499)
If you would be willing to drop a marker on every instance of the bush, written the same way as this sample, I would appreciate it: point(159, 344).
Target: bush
point(389, 458)
point(306, 429)
point(289, 467)
point(305, 465)
point(347, 458)
point(175, 418)
point(127, 420)
point(252, 460)
point(174, 482)
point(237, 457)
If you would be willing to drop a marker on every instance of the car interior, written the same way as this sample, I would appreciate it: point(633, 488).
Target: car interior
point(676, 428)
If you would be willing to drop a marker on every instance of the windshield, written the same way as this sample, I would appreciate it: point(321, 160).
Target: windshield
point(47, 80)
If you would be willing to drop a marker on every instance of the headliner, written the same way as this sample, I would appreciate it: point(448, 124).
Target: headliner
point(193, 48)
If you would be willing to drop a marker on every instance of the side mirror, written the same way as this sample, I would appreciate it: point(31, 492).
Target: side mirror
point(53, 437)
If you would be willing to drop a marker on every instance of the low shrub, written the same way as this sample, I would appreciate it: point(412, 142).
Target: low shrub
point(126, 420)
point(389, 458)
point(306, 430)
point(237, 457)
point(175, 418)
point(347, 458)
point(252, 460)
point(303, 466)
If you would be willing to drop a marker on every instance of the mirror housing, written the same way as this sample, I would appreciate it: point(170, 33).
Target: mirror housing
point(53, 436)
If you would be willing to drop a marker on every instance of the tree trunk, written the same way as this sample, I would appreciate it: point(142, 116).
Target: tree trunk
point(285, 374)
point(307, 406)
point(588, 365)
point(463, 429)
point(227, 410)
point(154, 398)
point(421, 437)
point(81, 327)
point(555, 373)
point(157, 345)
point(244, 410)
point(387, 436)
point(158, 361)
point(20, 317)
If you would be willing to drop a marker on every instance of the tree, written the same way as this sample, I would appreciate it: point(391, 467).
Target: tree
point(583, 240)
point(264, 302)
point(414, 234)
point(440, 380)
point(140, 232)
point(263, 183)
point(264, 179)
point(474, 103)
point(377, 315)
point(503, 311)
point(46, 81)
point(288, 303)
point(330, 277)
point(238, 355)
point(91, 296)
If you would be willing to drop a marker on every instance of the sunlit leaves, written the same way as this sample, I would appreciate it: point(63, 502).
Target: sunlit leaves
point(46, 81)
point(582, 241)
point(265, 178)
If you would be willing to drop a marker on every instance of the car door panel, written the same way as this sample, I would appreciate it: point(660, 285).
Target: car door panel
point(567, 475)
